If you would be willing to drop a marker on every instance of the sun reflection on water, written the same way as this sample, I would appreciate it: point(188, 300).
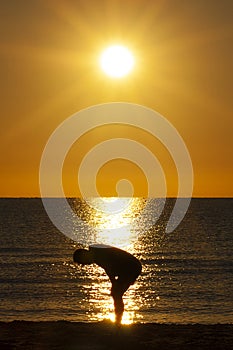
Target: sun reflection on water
point(113, 219)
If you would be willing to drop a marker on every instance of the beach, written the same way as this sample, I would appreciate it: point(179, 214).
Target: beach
point(106, 335)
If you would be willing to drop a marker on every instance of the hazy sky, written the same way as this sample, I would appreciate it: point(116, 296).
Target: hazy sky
point(49, 70)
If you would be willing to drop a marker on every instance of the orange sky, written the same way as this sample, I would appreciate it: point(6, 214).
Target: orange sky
point(49, 70)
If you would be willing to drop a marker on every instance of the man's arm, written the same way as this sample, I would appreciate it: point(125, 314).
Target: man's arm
point(111, 275)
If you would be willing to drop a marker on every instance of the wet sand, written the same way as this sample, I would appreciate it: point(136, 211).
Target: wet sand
point(105, 335)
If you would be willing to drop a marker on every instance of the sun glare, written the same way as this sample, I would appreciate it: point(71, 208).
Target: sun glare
point(116, 61)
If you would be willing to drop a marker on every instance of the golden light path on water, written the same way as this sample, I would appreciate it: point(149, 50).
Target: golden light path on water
point(113, 220)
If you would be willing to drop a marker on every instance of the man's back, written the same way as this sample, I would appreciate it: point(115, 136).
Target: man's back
point(115, 261)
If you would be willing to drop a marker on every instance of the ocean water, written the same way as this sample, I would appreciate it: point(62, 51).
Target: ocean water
point(187, 275)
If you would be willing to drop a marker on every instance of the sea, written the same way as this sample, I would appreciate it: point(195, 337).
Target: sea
point(187, 274)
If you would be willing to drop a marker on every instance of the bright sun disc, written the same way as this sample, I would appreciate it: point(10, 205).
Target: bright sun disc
point(116, 61)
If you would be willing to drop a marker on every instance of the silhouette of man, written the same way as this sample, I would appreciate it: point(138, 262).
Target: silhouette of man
point(121, 267)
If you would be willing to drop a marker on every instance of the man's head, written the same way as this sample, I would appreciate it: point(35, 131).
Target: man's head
point(83, 256)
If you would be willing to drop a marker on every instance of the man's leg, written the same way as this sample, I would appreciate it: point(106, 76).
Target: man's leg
point(119, 287)
point(119, 308)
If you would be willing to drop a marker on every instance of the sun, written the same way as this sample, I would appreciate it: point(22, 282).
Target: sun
point(117, 61)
